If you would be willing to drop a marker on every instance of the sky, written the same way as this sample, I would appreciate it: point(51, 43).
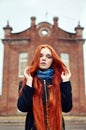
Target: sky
point(19, 12)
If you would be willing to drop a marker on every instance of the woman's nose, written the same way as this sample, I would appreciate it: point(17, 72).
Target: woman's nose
point(43, 58)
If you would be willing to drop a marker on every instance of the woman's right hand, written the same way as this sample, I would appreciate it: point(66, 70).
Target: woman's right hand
point(28, 77)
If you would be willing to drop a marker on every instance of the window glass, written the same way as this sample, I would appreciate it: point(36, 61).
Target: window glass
point(65, 58)
point(23, 62)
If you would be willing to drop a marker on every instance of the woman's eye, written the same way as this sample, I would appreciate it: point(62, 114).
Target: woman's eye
point(49, 56)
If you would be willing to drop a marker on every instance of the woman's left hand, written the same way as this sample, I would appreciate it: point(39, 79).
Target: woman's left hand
point(66, 75)
point(28, 77)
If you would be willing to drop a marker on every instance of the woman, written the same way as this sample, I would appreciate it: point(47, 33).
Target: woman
point(45, 91)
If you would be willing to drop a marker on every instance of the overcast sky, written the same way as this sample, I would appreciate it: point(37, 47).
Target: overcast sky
point(19, 12)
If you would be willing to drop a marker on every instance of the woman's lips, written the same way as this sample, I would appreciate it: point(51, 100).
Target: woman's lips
point(43, 63)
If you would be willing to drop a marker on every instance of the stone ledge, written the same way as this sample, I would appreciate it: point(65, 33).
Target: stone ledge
point(21, 118)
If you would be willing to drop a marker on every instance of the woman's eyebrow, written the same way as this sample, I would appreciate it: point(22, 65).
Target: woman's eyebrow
point(49, 54)
point(45, 54)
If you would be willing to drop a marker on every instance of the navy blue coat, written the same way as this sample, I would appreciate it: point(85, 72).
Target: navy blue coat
point(24, 103)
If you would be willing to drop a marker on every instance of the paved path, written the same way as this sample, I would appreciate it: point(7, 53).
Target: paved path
point(17, 123)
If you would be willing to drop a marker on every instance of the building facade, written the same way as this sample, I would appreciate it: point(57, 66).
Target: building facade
point(19, 49)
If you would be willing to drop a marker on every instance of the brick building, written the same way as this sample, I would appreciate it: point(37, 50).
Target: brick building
point(19, 50)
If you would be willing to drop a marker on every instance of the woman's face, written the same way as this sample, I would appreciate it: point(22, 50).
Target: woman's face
point(45, 58)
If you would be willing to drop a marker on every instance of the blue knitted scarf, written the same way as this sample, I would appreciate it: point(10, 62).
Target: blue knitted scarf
point(45, 74)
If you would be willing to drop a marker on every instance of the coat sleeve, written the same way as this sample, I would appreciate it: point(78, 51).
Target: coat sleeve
point(66, 96)
point(24, 102)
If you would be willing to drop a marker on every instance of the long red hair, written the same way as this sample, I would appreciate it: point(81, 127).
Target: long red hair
point(54, 101)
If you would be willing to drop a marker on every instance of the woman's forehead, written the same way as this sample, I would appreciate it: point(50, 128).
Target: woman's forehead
point(46, 51)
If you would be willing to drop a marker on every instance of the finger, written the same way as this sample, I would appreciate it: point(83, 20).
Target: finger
point(67, 70)
point(63, 73)
point(25, 72)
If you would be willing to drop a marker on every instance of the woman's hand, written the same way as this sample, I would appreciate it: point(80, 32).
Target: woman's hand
point(28, 77)
point(66, 75)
